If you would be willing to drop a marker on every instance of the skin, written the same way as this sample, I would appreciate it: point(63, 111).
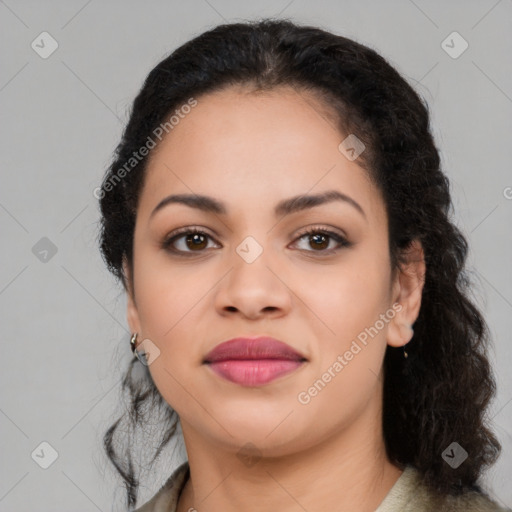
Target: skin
point(250, 151)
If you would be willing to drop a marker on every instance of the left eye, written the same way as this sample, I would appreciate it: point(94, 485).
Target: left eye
point(319, 239)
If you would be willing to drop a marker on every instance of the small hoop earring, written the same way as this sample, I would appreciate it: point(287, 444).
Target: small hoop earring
point(136, 353)
point(133, 342)
point(406, 355)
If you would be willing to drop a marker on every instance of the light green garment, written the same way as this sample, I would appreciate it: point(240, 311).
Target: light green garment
point(408, 494)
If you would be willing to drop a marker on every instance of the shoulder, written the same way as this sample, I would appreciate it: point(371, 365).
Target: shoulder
point(166, 499)
point(472, 502)
point(410, 494)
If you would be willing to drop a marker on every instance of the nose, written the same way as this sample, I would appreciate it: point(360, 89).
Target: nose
point(254, 290)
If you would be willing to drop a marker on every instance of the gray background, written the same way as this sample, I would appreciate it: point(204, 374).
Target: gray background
point(64, 336)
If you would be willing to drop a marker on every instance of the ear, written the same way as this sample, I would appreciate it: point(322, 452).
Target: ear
point(132, 314)
point(407, 289)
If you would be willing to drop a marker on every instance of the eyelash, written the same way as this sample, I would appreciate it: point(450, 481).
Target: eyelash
point(168, 242)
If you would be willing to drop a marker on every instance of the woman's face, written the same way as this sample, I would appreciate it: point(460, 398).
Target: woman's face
point(255, 272)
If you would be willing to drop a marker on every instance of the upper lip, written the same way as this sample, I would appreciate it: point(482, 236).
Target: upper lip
point(261, 347)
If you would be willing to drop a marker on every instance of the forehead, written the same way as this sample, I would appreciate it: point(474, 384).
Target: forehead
point(254, 147)
point(245, 117)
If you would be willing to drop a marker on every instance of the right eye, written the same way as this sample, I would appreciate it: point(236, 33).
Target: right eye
point(190, 238)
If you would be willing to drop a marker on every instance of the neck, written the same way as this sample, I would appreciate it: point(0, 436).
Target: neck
point(348, 471)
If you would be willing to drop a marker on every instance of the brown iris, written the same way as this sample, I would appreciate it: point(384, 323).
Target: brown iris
point(196, 239)
point(319, 238)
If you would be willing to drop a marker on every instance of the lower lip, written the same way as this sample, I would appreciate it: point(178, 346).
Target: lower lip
point(253, 372)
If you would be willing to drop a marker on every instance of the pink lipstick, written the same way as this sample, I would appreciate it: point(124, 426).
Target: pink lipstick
point(253, 361)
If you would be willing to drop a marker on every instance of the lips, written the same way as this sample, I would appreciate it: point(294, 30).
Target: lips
point(255, 348)
point(253, 361)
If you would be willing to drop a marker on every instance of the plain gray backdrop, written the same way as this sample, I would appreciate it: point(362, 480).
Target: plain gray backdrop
point(64, 335)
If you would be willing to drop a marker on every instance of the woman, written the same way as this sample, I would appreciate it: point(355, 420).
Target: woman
point(296, 292)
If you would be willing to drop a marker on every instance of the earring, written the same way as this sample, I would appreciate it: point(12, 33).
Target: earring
point(133, 342)
point(136, 353)
point(405, 353)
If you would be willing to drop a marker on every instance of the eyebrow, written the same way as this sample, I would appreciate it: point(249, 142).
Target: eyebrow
point(284, 207)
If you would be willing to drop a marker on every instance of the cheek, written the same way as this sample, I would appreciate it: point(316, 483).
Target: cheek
point(168, 293)
point(352, 311)
point(348, 358)
point(347, 297)
point(169, 301)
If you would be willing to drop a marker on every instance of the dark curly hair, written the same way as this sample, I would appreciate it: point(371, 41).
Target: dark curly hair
point(441, 392)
